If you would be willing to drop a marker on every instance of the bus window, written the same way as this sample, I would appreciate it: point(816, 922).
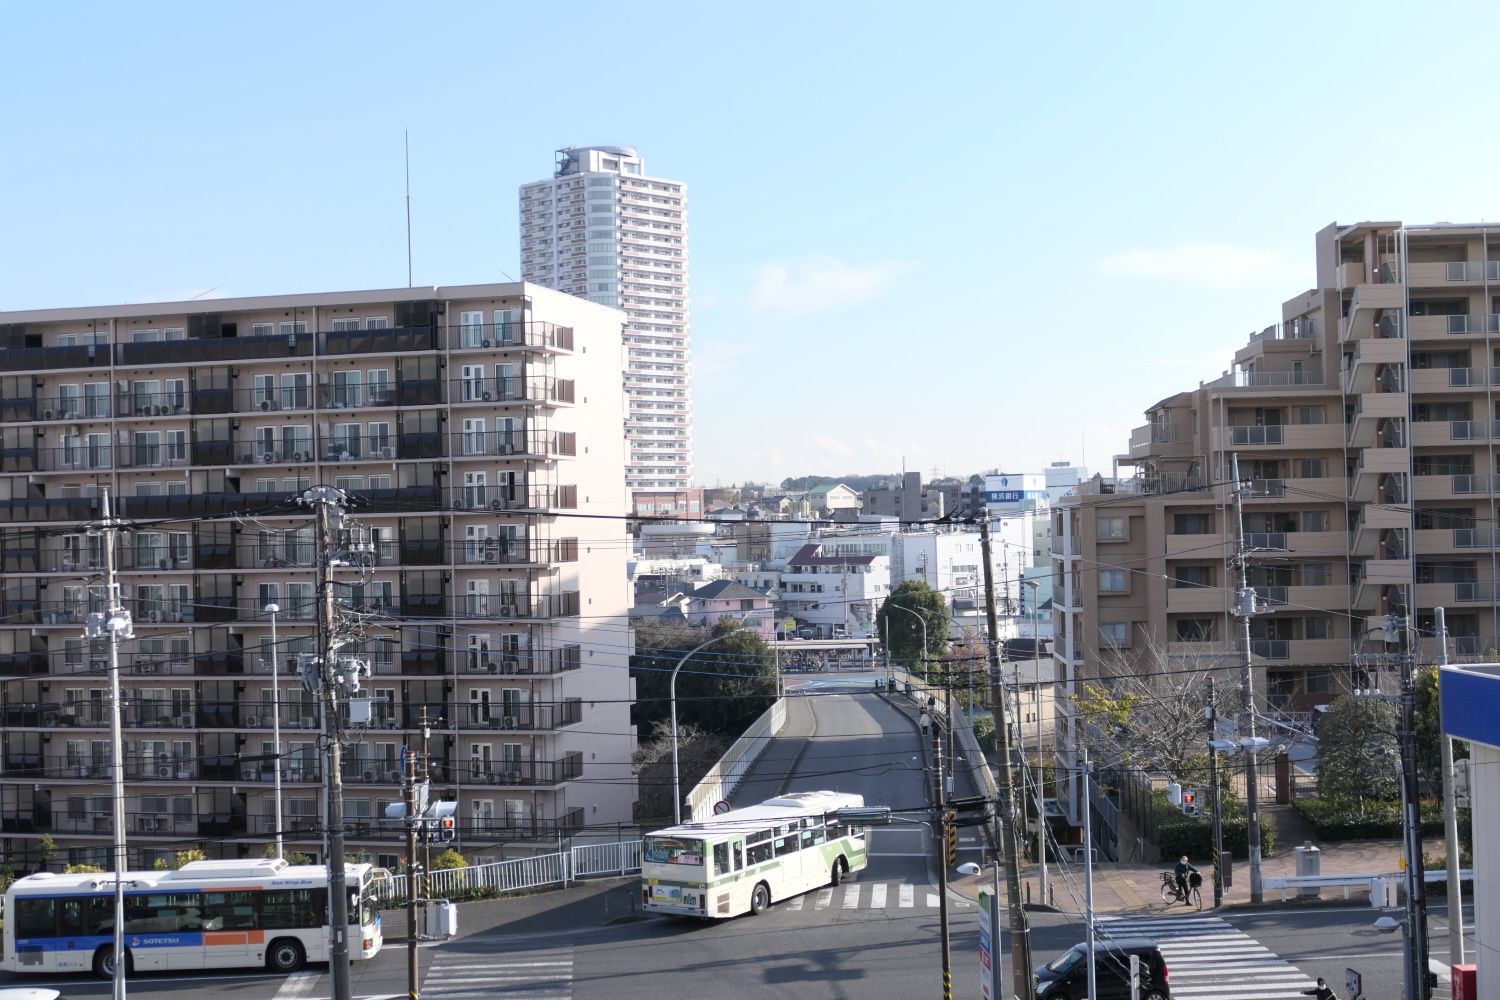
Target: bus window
point(759, 852)
point(786, 845)
point(229, 911)
point(739, 855)
point(36, 918)
point(721, 859)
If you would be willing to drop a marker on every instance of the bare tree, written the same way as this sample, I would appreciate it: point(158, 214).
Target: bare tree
point(1146, 708)
point(697, 751)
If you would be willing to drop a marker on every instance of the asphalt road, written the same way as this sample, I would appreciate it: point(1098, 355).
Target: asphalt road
point(875, 938)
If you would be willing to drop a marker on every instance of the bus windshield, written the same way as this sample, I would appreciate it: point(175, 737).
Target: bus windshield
point(673, 851)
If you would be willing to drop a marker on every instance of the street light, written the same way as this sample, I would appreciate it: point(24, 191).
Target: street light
point(272, 610)
point(676, 777)
point(920, 621)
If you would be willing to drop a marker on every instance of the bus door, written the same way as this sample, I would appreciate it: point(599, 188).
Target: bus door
point(230, 936)
point(83, 923)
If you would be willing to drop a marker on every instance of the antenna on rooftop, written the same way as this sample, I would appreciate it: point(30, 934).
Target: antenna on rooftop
point(406, 144)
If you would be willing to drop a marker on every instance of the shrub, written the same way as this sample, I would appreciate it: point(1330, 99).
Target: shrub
point(1194, 837)
point(82, 869)
point(984, 732)
point(1370, 820)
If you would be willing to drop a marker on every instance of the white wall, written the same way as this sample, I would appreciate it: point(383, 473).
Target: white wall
point(1485, 793)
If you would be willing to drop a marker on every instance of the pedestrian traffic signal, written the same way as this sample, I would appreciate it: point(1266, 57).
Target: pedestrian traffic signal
point(1189, 802)
point(447, 829)
point(971, 811)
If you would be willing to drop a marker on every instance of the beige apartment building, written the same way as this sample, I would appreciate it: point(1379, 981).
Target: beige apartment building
point(473, 429)
point(1366, 422)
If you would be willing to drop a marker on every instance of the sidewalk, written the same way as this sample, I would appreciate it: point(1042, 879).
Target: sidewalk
point(1136, 889)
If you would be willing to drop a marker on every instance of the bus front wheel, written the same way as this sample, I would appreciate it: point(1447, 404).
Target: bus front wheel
point(838, 873)
point(760, 899)
point(104, 962)
point(285, 955)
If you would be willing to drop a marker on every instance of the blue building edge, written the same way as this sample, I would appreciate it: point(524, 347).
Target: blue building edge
point(1470, 700)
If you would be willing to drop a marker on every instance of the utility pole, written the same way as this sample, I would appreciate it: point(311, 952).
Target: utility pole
point(1212, 715)
point(1421, 979)
point(1245, 609)
point(1041, 753)
point(1007, 842)
point(332, 681)
point(940, 842)
point(115, 624)
point(1450, 820)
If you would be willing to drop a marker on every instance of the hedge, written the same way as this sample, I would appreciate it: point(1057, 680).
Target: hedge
point(1195, 837)
point(1333, 820)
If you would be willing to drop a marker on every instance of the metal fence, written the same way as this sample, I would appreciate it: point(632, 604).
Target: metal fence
point(499, 877)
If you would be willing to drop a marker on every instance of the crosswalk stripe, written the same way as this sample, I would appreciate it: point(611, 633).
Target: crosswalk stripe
point(877, 896)
point(932, 899)
point(851, 897)
point(538, 975)
point(795, 903)
point(905, 894)
point(825, 897)
point(1210, 959)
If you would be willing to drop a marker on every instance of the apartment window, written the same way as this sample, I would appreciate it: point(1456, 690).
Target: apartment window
point(377, 322)
point(1310, 414)
point(1315, 575)
point(1319, 682)
point(1197, 629)
point(1192, 524)
point(1114, 633)
point(1113, 581)
point(1316, 627)
point(1111, 529)
point(1192, 576)
point(1310, 468)
point(1315, 520)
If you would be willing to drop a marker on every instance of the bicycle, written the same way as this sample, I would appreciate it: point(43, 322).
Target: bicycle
point(1170, 893)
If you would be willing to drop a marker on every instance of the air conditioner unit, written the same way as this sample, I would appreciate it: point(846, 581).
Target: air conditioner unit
point(497, 505)
point(369, 774)
point(154, 616)
point(265, 404)
point(512, 666)
point(509, 722)
point(249, 774)
point(48, 414)
point(162, 411)
point(512, 777)
point(487, 397)
point(145, 824)
point(252, 721)
point(267, 458)
point(458, 505)
point(388, 452)
point(508, 611)
point(393, 775)
point(164, 770)
point(98, 666)
point(308, 722)
point(297, 456)
point(161, 564)
point(146, 667)
point(484, 343)
point(491, 555)
point(492, 666)
point(507, 448)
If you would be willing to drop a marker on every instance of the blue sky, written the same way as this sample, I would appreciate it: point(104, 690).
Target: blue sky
point(959, 236)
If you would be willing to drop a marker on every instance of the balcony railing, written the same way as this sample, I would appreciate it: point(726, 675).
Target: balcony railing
point(1473, 430)
point(500, 336)
point(1479, 323)
point(1475, 592)
point(519, 443)
point(33, 359)
point(1271, 594)
point(1270, 434)
point(1476, 484)
point(521, 772)
point(1271, 649)
point(1476, 538)
point(1273, 540)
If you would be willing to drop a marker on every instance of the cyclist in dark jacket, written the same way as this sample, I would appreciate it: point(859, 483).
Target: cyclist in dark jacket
point(1182, 871)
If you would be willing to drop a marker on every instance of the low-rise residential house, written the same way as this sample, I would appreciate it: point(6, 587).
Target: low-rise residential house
point(833, 496)
point(835, 587)
point(721, 599)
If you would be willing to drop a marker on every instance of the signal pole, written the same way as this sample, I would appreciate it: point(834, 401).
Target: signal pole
point(1245, 609)
point(414, 808)
point(1212, 715)
point(940, 840)
point(1007, 843)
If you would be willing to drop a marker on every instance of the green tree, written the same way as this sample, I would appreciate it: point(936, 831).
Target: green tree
point(1357, 752)
point(292, 857)
point(449, 859)
point(720, 689)
point(1429, 728)
point(82, 870)
point(903, 633)
point(47, 847)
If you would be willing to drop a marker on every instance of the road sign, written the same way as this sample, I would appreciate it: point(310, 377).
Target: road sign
point(721, 807)
point(990, 974)
point(1354, 984)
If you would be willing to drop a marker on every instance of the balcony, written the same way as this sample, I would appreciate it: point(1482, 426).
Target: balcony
point(1196, 600)
point(521, 443)
point(70, 409)
point(389, 340)
point(529, 716)
point(1370, 355)
point(482, 831)
point(535, 336)
point(36, 359)
point(1367, 301)
point(201, 349)
point(1374, 465)
point(534, 389)
point(1440, 274)
point(521, 773)
point(1370, 412)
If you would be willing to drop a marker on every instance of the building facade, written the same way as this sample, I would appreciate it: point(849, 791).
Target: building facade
point(1365, 426)
point(465, 424)
point(603, 229)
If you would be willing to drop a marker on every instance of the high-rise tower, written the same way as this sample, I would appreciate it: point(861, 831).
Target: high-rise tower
point(601, 228)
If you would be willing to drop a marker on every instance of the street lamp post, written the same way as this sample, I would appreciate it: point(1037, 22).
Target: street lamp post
point(676, 776)
point(920, 621)
point(1041, 774)
point(272, 610)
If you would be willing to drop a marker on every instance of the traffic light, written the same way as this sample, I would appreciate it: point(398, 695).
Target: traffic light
point(1189, 802)
point(447, 829)
point(971, 811)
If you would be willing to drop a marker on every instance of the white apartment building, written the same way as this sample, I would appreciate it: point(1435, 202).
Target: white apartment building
point(603, 229)
point(471, 426)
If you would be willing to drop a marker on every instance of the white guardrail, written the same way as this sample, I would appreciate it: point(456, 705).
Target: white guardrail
point(1356, 880)
point(724, 777)
point(559, 868)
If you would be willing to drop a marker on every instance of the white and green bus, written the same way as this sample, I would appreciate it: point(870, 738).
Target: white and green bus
point(743, 860)
point(205, 915)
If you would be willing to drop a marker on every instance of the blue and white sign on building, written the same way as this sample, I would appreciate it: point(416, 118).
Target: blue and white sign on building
point(1469, 698)
point(1015, 491)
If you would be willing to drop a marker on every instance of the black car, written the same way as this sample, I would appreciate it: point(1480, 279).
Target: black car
point(1066, 977)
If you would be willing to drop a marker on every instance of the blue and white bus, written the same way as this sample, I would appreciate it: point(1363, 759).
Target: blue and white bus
point(205, 915)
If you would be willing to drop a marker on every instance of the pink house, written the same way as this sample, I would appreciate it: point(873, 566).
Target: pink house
point(728, 599)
